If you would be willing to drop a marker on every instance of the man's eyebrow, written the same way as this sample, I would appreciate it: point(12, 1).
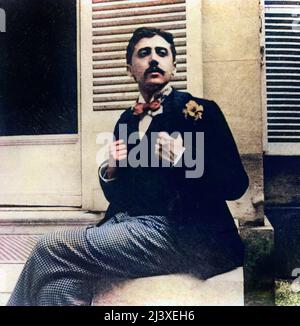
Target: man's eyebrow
point(161, 47)
point(144, 48)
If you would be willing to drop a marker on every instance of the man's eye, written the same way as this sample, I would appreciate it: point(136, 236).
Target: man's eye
point(162, 52)
point(143, 53)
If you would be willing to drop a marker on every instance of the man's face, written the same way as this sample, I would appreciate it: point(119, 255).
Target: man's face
point(152, 62)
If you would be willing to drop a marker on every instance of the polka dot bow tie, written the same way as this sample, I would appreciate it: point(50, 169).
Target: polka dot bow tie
point(140, 108)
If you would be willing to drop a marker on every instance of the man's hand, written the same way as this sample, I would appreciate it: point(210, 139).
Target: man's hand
point(169, 148)
point(117, 152)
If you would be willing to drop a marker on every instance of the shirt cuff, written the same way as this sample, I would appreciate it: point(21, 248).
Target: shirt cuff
point(103, 172)
point(178, 156)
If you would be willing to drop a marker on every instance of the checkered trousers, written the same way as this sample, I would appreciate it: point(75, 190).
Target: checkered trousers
point(65, 265)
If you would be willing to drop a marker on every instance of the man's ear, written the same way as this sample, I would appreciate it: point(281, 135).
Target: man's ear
point(174, 69)
point(129, 72)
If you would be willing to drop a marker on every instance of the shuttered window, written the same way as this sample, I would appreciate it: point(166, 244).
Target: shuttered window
point(282, 67)
point(113, 23)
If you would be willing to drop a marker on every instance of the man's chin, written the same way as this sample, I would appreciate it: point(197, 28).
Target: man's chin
point(155, 82)
point(154, 85)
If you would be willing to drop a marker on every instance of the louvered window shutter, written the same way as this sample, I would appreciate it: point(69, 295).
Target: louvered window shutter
point(113, 24)
point(282, 60)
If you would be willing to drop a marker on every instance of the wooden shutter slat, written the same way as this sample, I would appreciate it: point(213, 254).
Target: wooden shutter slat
point(132, 4)
point(112, 106)
point(106, 107)
point(117, 39)
point(117, 56)
point(122, 89)
point(106, 99)
point(109, 48)
point(108, 65)
point(112, 40)
point(282, 3)
point(110, 74)
point(100, 1)
point(139, 13)
point(130, 30)
point(137, 21)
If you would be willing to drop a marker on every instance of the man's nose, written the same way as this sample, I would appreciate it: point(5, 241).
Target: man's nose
point(153, 62)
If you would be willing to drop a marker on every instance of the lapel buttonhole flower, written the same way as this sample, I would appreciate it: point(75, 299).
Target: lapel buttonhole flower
point(193, 110)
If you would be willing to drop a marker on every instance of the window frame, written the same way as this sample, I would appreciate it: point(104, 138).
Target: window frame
point(276, 148)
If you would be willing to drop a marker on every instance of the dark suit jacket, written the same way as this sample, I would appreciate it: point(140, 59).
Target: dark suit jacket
point(198, 205)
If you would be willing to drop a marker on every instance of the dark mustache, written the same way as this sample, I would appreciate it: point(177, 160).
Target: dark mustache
point(152, 69)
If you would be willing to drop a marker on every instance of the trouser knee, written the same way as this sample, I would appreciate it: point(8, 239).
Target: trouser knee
point(46, 244)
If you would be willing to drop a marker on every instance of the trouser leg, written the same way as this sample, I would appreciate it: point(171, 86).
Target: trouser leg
point(64, 265)
point(55, 257)
point(65, 291)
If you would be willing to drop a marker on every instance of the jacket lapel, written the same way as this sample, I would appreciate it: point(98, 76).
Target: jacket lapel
point(172, 119)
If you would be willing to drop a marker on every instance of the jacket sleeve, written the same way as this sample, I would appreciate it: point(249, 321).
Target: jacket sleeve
point(110, 187)
point(224, 175)
point(225, 167)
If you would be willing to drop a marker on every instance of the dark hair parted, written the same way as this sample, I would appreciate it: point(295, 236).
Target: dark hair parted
point(143, 32)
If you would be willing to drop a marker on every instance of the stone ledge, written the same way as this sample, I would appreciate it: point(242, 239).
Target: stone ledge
point(47, 216)
point(176, 290)
point(43, 221)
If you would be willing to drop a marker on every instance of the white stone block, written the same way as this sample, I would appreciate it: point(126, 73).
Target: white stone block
point(9, 274)
point(4, 297)
point(176, 290)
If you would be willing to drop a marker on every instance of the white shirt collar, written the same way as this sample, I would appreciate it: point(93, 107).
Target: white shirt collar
point(164, 92)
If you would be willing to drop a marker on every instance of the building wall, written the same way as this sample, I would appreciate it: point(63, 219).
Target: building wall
point(231, 66)
point(232, 78)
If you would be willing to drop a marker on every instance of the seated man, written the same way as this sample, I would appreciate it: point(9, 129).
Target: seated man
point(167, 192)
